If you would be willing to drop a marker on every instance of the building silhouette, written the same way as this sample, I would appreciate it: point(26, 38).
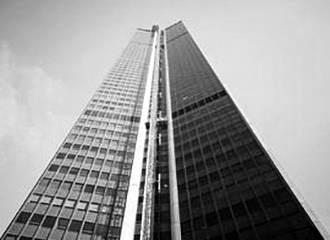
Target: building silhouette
point(161, 151)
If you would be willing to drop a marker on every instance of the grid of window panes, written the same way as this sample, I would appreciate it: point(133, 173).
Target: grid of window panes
point(228, 186)
point(162, 213)
point(82, 193)
point(161, 216)
point(138, 219)
point(187, 63)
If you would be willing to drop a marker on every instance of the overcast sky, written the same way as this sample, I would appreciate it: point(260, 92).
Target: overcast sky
point(273, 57)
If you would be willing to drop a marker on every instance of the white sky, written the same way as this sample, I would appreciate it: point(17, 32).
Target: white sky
point(273, 56)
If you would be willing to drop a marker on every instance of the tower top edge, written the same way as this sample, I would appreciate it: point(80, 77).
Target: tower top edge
point(144, 29)
point(174, 24)
point(156, 27)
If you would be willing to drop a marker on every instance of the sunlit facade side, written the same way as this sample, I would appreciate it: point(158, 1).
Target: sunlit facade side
point(82, 193)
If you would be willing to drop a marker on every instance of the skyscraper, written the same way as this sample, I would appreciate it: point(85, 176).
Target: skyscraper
point(162, 152)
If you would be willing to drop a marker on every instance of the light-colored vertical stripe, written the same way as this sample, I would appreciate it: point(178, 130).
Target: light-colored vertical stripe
point(149, 191)
point(128, 226)
point(174, 198)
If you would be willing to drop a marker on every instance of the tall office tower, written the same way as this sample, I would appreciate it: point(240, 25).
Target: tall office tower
point(83, 191)
point(162, 152)
point(228, 186)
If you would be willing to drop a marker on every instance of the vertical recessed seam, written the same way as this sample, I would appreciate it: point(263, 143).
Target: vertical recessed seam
point(128, 226)
point(174, 199)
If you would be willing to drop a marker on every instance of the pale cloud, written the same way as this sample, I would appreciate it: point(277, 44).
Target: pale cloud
point(32, 124)
point(29, 99)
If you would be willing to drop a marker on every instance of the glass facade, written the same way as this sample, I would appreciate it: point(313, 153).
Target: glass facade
point(82, 193)
point(228, 186)
point(203, 172)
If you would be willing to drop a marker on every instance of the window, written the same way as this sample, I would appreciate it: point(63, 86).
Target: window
point(214, 176)
point(253, 205)
point(80, 139)
point(190, 171)
point(44, 182)
point(62, 223)
point(195, 202)
point(203, 180)
point(66, 186)
point(198, 223)
point(211, 219)
point(110, 192)
point(36, 219)
point(58, 202)
point(94, 174)
point(82, 205)
point(77, 187)
point(94, 207)
point(99, 161)
point(73, 136)
point(77, 146)
point(104, 175)
point(89, 160)
point(85, 129)
point(98, 141)
point(100, 190)
point(103, 151)
point(60, 156)
point(239, 209)
point(74, 171)
point(106, 141)
point(115, 177)
point(23, 217)
point(89, 140)
point(105, 209)
point(75, 226)
point(94, 149)
point(120, 201)
point(71, 156)
point(192, 184)
point(210, 163)
point(67, 145)
point(10, 237)
point(85, 147)
point(186, 227)
point(64, 169)
point(101, 229)
point(248, 164)
point(53, 168)
point(45, 200)
point(207, 198)
point(268, 200)
point(84, 172)
point(225, 214)
point(34, 198)
point(80, 159)
point(55, 185)
point(69, 203)
point(232, 235)
point(88, 227)
point(282, 195)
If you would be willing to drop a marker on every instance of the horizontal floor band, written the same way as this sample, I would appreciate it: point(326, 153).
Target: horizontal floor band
point(199, 104)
